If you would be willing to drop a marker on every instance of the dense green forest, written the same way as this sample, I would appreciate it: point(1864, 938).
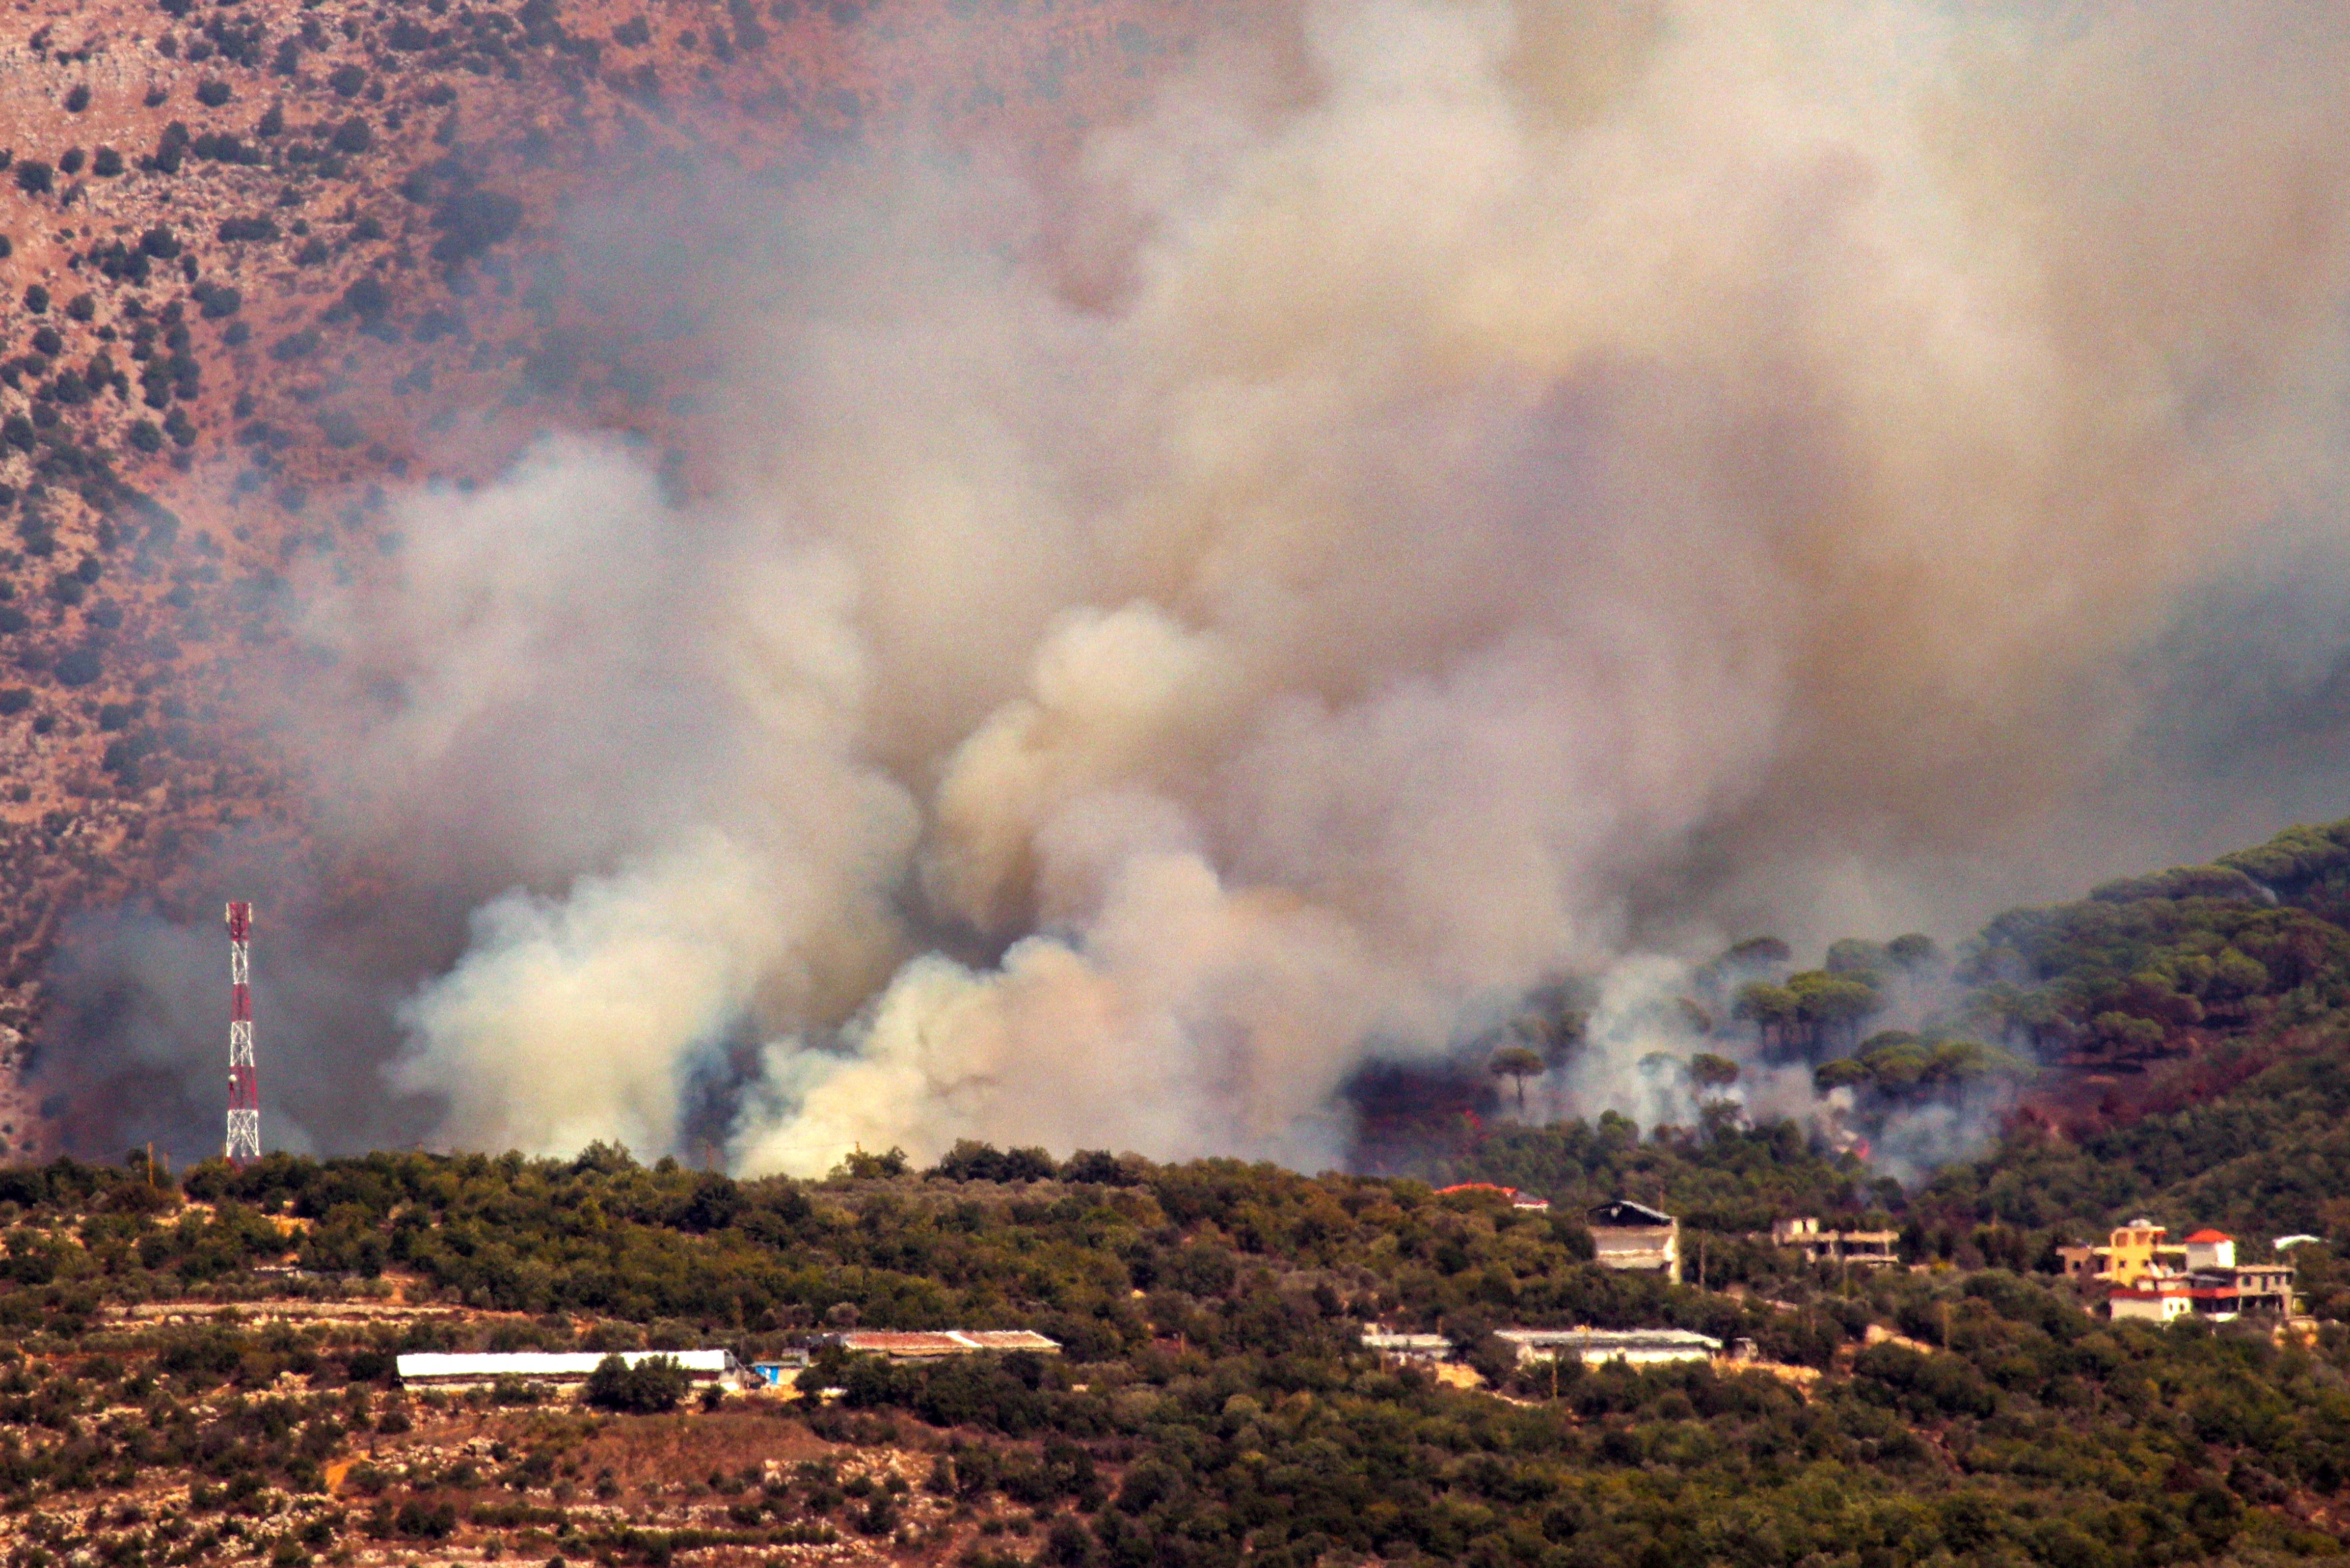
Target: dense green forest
point(2176, 1044)
point(1212, 1403)
point(164, 1401)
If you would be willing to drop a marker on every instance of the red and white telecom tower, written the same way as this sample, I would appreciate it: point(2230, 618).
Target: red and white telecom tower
point(243, 1083)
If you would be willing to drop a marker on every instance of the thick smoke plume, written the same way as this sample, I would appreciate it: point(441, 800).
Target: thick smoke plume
point(1452, 493)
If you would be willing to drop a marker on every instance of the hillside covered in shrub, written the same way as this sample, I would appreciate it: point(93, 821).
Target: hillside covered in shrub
point(202, 1362)
point(201, 1370)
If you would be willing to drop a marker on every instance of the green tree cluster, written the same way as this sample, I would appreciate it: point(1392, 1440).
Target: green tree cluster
point(647, 1385)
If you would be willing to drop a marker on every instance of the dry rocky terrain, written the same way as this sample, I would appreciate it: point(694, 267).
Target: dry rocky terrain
point(456, 1477)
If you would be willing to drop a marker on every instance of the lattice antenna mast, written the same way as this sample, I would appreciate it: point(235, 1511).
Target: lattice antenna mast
point(243, 1082)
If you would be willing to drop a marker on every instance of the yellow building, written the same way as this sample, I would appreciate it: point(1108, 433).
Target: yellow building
point(2132, 1254)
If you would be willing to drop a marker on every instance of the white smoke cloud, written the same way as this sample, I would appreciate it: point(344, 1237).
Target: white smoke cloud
point(667, 954)
point(1188, 1018)
point(1475, 488)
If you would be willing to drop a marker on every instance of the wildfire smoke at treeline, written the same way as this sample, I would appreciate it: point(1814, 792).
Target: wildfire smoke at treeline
point(1449, 498)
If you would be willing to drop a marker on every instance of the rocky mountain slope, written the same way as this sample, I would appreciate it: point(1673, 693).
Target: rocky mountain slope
point(262, 263)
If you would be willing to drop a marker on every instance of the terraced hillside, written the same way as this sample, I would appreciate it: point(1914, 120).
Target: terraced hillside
point(201, 1370)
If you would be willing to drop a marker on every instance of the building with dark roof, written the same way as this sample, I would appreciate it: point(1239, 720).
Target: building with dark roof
point(1636, 1237)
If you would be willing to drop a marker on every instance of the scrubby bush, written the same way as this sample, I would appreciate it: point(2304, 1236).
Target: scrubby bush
point(226, 146)
point(647, 1387)
point(213, 92)
point(367, 298)
point(76, 667)
point(471, 221)
point(972, 1161)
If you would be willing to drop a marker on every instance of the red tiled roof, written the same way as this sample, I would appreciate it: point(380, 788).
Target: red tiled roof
point(1518, 1199)
point(942, 1342)
point(2211, 1236)
point(890, 1342)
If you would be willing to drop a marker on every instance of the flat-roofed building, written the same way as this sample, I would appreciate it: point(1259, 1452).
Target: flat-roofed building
point(2079, 1262)
point(928, 1345)
point(2140, 1248)
point(1633, 1346)
point(1409, 1346)
point(2159, 1300)
point(2159, 1280)
point(1862, 1248)
point(2265, 1288)
point(2261, 1289)
point(778, 1371)
point(1637, 1238)
point(557, 1367)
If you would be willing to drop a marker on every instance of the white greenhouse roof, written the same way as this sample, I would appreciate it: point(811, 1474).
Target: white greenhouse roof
point(552, 1364)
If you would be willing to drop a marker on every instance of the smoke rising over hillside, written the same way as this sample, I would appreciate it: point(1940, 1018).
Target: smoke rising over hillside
point(1455, 493)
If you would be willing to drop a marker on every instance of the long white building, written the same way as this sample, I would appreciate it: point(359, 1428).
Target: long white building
point(1633, 1346)
point(554, 1366)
